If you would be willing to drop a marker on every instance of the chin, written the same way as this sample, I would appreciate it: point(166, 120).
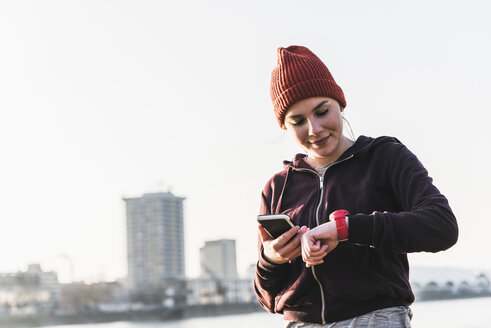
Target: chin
point(323, 153)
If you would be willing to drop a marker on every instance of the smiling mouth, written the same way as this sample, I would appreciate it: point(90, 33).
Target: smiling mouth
point(320, 141)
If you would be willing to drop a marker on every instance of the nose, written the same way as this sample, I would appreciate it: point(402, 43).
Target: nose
point(314, 127)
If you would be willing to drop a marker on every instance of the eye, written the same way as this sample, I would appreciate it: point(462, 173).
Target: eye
point(322, 112)
point(297, 122)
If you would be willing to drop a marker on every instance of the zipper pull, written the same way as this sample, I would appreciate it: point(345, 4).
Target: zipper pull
point(321, 180)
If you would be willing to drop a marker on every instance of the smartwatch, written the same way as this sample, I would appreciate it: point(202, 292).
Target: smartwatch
point(339, 217)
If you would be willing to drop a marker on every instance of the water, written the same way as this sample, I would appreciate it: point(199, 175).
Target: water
point(468, 313)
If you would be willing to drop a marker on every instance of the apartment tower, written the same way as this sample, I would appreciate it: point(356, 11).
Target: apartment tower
point(155, 239)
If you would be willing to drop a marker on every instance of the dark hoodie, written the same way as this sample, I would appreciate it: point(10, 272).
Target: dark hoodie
point(395, 209)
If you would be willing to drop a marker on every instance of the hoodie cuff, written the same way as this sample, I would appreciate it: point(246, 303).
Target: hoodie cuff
point(268, 266)
point(360, 228)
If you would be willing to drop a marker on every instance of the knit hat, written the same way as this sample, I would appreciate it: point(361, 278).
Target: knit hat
point(300, 74)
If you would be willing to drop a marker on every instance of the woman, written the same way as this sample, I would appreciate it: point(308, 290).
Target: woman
point(358, 208)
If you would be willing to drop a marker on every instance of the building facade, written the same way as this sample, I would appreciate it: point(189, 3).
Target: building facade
point(31, 291)
point(206, 290)
point(155, 240)
point(219, 282)
point(218, 259)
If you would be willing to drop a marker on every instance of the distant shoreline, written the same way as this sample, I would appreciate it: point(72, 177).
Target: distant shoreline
point(162, 314)
point(443, 295)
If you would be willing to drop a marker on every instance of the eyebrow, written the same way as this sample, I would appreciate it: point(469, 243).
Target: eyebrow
point(319, 105)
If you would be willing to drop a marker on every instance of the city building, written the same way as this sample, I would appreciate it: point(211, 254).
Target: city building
point(206, 290)
point(31, 291)
point(218, 259)
point(155, 240)
point(219, 283)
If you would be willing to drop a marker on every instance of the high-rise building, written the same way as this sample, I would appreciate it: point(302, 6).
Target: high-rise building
point(155, 239)
point(218, 259)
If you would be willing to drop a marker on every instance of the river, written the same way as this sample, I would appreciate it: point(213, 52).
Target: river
point(468, 313)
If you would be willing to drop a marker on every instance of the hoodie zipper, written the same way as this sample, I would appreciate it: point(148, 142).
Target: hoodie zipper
point(323, 302)
point(321, 186)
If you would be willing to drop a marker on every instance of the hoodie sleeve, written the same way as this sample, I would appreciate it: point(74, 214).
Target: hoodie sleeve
point(270, 278)
point(426, 222)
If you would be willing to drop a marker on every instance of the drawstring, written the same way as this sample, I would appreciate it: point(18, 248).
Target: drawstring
point(278, 206)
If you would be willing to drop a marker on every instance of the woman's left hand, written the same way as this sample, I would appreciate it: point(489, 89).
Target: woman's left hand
point(318, 242)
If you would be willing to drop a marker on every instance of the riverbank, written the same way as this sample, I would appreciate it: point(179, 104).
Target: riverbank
point(447, 313)
point(161, 314)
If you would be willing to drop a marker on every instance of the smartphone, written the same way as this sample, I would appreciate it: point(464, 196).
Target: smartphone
point(275, 224)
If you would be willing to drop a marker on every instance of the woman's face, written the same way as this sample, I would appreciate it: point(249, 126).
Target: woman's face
point(316, 124)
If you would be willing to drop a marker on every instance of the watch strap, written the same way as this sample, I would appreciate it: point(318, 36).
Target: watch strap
point(339, 217)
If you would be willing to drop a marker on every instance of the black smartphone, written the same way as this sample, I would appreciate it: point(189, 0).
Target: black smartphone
point(275, 224)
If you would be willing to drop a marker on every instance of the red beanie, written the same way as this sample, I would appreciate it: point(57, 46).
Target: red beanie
point(300, 74)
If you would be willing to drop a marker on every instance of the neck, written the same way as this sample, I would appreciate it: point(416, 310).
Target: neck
point(321, 161)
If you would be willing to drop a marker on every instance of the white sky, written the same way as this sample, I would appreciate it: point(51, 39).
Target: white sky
point(105, 99)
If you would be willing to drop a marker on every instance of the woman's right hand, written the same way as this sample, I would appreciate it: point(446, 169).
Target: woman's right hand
point(284, 248)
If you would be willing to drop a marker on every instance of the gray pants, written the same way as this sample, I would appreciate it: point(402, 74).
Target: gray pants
point(393, 317)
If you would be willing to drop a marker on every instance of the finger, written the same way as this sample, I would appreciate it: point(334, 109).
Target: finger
point(306, 244)
point(295, 242)
point(310, 264)
point(294, 254)
point(310, 245)
point(291, 250)
point(321, 247)
point(308, 254)
point(315, 262)
point(297, 253)
point(305, 248)
point(264, 234)
point(284, 238)
point(319, 253)
point(315, 259)
point(318, 256)
point(303, 230)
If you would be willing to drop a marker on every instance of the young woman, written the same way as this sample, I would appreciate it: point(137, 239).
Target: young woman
point(358, 207)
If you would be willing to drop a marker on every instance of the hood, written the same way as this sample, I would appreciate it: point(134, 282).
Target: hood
point(361, 146)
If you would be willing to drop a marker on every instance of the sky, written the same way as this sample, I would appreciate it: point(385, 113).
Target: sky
point(101, 100)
